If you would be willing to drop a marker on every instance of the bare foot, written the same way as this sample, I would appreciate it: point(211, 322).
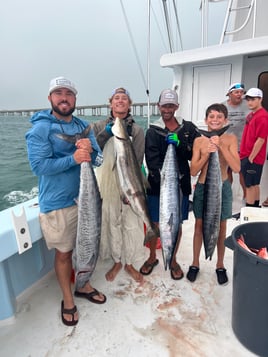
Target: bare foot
point(137, 276)
point(111, 274)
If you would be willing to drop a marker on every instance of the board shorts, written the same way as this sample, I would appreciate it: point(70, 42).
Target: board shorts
point(251, 172)
point(153, 203)
point(226, 204)
point(59, 228)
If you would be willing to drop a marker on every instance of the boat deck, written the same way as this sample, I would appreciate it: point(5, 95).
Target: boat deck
point(161, 317)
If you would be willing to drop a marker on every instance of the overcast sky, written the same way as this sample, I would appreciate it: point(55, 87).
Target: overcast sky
point(90, 43)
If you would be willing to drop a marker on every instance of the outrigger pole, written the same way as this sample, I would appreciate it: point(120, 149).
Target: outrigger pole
point(148, 63)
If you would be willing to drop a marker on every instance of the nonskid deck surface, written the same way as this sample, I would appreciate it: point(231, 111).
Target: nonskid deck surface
point(160, 317)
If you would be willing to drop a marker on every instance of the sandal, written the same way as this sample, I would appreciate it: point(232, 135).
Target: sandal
point(176, 269)
point(72, 311)
point(90, 296)
point(149, 267)
point(221, 276)
point(192, 273)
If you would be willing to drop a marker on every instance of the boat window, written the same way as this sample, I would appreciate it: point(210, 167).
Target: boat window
point(263, 85)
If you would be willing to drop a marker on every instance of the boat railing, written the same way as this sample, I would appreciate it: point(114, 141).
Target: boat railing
point(251, 8)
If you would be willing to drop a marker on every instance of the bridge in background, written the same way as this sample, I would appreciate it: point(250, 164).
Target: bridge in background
point(137, 109)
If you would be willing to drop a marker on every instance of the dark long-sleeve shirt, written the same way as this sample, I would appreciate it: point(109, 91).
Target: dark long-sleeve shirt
point(155, 151)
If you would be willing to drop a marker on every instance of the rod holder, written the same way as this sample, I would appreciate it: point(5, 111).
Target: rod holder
point(22, 231)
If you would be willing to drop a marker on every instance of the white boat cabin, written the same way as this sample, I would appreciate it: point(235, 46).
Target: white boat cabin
point(203, 75)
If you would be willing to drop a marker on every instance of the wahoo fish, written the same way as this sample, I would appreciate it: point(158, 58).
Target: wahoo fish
point(170, 205)
point(86, 251)
point(212, 198)
point(130, 179)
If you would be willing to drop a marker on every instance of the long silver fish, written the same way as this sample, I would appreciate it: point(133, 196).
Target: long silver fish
point(86, 251)
point(130, 178)
point(212, 199)
point(170, 204)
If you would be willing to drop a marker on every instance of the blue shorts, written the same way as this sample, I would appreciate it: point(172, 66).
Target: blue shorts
point(226, 204)
point(154, 206)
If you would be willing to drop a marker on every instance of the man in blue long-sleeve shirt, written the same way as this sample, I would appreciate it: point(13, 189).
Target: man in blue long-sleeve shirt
point(56, 162)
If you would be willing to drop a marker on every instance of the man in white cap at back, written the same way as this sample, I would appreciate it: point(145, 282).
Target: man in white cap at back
point(237, 112)
point(253, 146)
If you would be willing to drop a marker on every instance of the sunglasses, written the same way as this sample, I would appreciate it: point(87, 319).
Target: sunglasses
point(120, 90)
point(237, 86)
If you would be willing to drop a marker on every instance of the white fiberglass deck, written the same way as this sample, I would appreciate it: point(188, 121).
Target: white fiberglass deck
point(161, 317)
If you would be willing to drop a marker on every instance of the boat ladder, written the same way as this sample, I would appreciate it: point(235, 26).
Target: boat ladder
point(251, 7)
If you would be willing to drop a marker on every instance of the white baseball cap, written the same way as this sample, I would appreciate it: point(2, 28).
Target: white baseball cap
point(254, 92)
point(61, 82)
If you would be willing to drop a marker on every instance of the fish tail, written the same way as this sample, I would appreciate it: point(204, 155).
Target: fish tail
point(151, 232)
point(209, 134)
point(156, 230)
point(81, 278)
point(166, 260)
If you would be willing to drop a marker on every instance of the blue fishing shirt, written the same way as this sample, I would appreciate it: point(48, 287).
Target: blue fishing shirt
point(51, 159)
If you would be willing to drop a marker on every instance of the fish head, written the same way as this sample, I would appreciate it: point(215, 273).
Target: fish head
point(119, 130)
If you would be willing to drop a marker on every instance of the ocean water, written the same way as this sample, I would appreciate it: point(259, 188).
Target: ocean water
point(17, 182)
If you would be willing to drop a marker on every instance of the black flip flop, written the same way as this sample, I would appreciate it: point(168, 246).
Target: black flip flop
point(72, 311)
point(149, 266)
point(90, 296)
point(174, 270)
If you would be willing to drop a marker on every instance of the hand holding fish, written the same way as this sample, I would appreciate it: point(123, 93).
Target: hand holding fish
point(172, 138)
point(84, 148)
point(84, 144)
point(81, 155)
point(214, 143)
point(108, 128)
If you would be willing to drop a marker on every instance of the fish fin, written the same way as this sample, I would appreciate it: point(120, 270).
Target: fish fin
point(171, 220)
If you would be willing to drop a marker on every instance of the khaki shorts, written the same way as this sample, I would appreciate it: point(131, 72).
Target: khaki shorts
point(59, 228)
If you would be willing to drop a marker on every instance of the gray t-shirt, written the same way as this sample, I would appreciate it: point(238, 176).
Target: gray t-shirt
point(237, 118)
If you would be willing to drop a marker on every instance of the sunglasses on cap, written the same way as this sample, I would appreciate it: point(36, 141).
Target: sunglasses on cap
point(120, 90)
point(237, 86)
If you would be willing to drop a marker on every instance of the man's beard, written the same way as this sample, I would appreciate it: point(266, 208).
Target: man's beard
point(56, 109)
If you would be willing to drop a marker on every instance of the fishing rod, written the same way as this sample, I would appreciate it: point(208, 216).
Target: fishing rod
point(148, 63)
